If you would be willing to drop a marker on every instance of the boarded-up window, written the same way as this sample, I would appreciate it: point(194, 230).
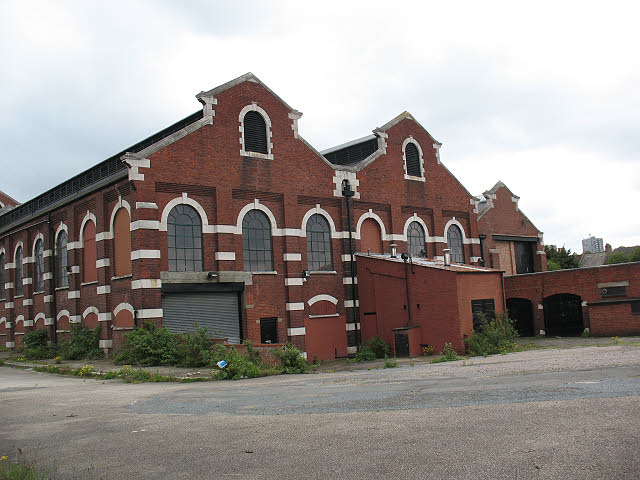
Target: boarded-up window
point(413, 160)
point(370, 236)
point(255, 133)
point(122, 243)
point(89, 256)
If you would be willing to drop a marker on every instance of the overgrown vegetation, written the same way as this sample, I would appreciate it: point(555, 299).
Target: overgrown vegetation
point(292, 359)
point(18, 469)
point(560, 258)
point(83, 343)
point(494, 336)
point(389, 363)
point(448, 354)
point(373, 348)
point(622, 257)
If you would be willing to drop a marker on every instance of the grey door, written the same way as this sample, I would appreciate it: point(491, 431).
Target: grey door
point(217, 311)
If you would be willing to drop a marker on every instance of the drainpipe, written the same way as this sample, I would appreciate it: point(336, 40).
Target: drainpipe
point(348, 192)
point(54, 274)
point(405, 257)
point(482, 238)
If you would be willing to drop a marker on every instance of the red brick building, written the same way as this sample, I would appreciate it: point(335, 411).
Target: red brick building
point(419, 302)
point(7, 201)
point(230, 219)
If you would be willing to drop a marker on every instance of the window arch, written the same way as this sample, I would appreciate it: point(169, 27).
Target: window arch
point(412, 157)
point(319, 252)
point(255, 133)
point(416, 240)
point(38, 256)
point(122, 243)
point(184, 231)
point(2, 277)
point(19, 272)
point(62, 260)
point(454, 241)
point(89, 253)
point(256, 242)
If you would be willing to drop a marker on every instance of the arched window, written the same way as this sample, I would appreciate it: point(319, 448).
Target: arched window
point(122, 243)
point(319, 252)
point(255, 133)
point(416, 240)
point(62, 260)
point(19, 272)
point(184, 231)
point(38, 255)
point(413, 160)
point(454, 240)
point(256, 242)
point(2, 278)
point(89, 253)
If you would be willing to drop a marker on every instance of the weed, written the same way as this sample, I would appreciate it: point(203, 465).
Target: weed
point(292, 359)
point(616, 340)
point(18, 469)
point(412, 363)
point(448, 354)
point(427, 350)
point(495, 336)
point(586, 333)
point(389, 363)
point(83, 343)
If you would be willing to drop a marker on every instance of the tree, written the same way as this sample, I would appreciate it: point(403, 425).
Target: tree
point(635, 254)
point(562, 258)
point(618, 257)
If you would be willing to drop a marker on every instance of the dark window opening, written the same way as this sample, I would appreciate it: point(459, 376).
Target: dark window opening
point(62, 257)
point(256, 242)
point(413, 160)
point(184, 232)
point(255, 133)
point(635, 307)
point(524, 257)
point(39, 260)
point(454, 241)
point(319, 244)
point(2, 279)
point(268, 330)
point(620, 291)
point(416, 240)
point(486, 308)
point(19, 272)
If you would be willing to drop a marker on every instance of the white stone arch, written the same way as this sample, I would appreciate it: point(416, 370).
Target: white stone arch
point(256, 205)
point(2, 250)
point(255, 108)
point(3, 320)
point(322, 297)
point(415, 218)
point(376, 217)
point(39, 236)
point(453, 221)
point(90, 310)
point(121, 307)
point(15, 251)
point(182, 200)
point(88, 217)
point(62, 227)
point(19, 318)
point(63, 313)
point(406, 142)
point(40, 316)
point(121, 204)
point(320, 211)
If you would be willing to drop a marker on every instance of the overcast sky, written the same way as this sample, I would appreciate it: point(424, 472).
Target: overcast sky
point(545, 97)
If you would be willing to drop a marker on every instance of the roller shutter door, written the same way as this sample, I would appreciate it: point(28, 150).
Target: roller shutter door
point(217, 311)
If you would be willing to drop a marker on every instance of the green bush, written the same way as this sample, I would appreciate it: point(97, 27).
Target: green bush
point(149, 346)
point(378, 346)
point(192, 348)
point(35, 339)
point(292, 359)
point(364, 354)
point(448, 354)
point(388, 363)
point(496, 336)
point(238, 365)
point(84, 342)
point(18, 469)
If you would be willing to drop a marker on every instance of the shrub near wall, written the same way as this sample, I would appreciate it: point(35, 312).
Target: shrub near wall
point(495, 336)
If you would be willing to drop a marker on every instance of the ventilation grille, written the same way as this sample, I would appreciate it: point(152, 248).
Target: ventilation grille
point(253, 194)
point(255, 133)
point(354, 153)
point(198, 190)
point(413, 160)
point(323, 202)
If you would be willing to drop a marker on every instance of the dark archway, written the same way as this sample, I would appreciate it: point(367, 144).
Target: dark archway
point(563, 315)
point(521, 312)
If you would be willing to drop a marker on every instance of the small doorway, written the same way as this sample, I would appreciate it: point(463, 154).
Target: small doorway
point(401, 341)
point(521, 312)
point(563, 315)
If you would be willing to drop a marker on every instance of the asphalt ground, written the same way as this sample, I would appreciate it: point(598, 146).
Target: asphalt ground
point(542, 414)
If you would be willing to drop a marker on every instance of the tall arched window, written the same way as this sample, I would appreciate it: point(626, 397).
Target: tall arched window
point(184, 231)
point(412, 157)
point(256, 242)
point(2, 277)
point(454, 240)
point(319, 252)
point(89, 253)
point(38, 255)
point(62, 260)
point(19, 272)
point(255, 133)
point(416, 240)
point(122, 243)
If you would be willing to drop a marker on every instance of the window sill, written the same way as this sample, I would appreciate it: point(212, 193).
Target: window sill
point(325, 316)
point(323, 272)
point(83, 284)
point(18, 296)
point(122, 277)
point(264, 156)
point(62, 288)
point(39, 292)
point(265, 273)
point(413, 177)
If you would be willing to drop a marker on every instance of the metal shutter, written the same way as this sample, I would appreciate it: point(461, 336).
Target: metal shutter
point(413, 160)
point(255, 133)
point(217, 311)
